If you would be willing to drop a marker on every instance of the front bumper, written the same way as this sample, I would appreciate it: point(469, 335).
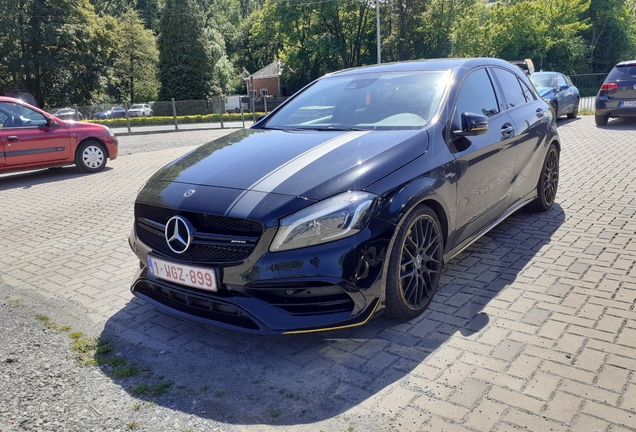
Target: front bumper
point(325, 287)
point(239, 311)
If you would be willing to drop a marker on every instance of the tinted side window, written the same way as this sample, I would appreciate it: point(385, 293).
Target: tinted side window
point(560, 81)
point(510, 87)
point(476, 96)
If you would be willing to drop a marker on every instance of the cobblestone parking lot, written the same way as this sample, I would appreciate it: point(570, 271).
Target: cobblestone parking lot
point(533, 327)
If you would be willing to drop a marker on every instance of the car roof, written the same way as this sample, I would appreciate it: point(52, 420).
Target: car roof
point(547, 73)
point(427, 65)
point(627, 63)
point(10, 99)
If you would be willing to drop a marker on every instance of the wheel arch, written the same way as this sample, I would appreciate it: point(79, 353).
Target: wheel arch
point(104, 146)
point(424, 191)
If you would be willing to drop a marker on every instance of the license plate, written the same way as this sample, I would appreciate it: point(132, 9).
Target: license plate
point(195, 277)
point(629, 103)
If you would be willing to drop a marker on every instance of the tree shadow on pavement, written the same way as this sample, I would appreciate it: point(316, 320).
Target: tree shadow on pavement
point(246, 379)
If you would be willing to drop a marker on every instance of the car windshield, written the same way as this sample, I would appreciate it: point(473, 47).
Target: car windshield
point(542, 80)
point(136, 107)
point(395, 100)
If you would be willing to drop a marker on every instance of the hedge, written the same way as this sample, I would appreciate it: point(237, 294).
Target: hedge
point(168, 120)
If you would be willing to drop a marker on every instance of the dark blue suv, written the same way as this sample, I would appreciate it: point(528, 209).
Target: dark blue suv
point(617, 96)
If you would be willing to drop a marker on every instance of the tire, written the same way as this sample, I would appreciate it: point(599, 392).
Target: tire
point(237, 110)
point(575, 110)
point(600, 120)
point(90, 156)
point(548, 181)
point(555, 107)
point(415, 265)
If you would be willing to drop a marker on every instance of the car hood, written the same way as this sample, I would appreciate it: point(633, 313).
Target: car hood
point(546, 91)
point(251, 165)
point(83, 126)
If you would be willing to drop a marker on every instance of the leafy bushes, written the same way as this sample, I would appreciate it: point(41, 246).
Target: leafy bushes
point(169, 120)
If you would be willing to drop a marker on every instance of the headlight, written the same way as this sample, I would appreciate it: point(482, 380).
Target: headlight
point(338, 217)
point(110, 132)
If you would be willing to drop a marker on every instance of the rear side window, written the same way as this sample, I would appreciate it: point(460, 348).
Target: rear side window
point(527, 92)
point(627, 72)
point(511, 88)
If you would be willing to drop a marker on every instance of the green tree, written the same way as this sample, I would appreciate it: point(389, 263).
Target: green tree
point(135, 66)
point(57, 50)
point(612, 34)
point(546, 31)
point(320, 37)
point(256, 44)
point(185, 63)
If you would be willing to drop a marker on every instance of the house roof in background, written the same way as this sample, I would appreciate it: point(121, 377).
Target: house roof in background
point(272, 70)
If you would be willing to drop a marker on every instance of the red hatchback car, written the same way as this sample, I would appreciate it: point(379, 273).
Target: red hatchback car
point(31, 138)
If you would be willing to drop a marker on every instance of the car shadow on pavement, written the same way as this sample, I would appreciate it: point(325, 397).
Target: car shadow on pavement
point(246, 379)
point(27, 179)
point(620, 123)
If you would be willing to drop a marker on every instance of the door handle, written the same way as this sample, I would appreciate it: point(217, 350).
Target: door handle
point(539, 112)
point(12, 138)
point(507, 130)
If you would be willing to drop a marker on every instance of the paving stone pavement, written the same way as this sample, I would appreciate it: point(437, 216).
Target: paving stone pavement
point(533, 327)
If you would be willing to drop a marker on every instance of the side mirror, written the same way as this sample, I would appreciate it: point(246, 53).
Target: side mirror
point(472, 125)
point(564, 87)
point(50, 122)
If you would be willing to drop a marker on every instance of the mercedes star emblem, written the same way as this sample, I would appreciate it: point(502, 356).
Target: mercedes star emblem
point(178, 234)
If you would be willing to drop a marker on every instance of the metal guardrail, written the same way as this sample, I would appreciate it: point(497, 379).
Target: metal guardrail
point(173, 112)
point(587, 103)
point(588, 84)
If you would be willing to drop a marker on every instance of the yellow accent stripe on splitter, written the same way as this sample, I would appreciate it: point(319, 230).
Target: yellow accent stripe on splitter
point(339, 327)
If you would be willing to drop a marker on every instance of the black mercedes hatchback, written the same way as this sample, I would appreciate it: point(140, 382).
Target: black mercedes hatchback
point(617, 96)
point(346, 201)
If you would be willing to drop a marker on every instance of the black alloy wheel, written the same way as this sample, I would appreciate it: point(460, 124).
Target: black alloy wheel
point(415, 266)
point(575, 110)
point(548, 181)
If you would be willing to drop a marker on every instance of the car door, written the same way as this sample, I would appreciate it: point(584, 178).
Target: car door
point(531, 118)
point(27, 139)
point(565, 98)
point(484, 163)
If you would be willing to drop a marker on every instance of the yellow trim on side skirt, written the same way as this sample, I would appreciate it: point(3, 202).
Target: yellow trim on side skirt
point(339, 327)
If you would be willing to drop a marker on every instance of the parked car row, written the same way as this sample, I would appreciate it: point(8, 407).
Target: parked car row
point(616, 97)
point(137, 110)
